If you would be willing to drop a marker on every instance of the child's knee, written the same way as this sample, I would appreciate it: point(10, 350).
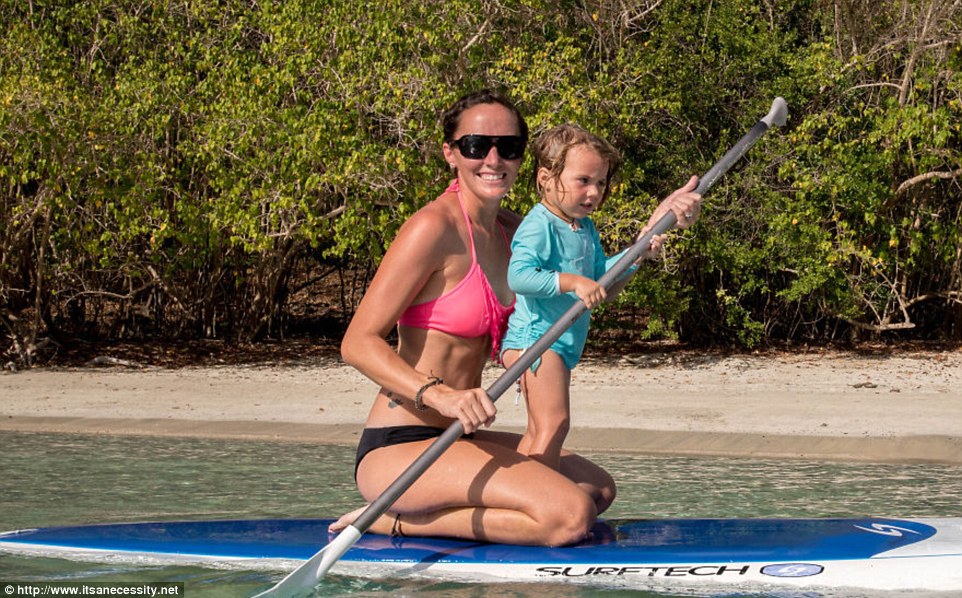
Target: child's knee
point(549, 428)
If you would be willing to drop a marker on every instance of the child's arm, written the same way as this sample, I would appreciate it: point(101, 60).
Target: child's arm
point(619, 285)
point(527, 274)
point(589, 291)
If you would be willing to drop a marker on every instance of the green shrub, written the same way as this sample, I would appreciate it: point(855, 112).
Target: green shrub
point(184, 169)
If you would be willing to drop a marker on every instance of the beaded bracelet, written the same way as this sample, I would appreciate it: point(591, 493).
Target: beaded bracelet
point(419, 395)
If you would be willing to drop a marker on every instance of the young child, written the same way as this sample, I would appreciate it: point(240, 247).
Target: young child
point(556, 259)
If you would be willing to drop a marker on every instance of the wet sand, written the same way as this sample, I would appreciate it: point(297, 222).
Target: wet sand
point(903, 407)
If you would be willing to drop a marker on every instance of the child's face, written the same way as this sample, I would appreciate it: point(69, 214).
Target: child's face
point(580, 189)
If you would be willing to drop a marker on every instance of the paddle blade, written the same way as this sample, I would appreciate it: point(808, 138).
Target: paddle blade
point(306, 576)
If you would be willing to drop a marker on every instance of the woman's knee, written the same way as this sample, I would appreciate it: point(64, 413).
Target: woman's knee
point(570, 520)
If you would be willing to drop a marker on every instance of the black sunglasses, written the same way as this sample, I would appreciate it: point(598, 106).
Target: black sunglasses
point(476, 147)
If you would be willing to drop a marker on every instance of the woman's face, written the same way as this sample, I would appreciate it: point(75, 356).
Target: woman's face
point(490, 177)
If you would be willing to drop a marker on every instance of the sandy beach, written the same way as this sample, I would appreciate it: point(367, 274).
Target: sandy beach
point(889, 407)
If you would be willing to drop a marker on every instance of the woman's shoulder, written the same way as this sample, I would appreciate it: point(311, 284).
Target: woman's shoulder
point(434, 224)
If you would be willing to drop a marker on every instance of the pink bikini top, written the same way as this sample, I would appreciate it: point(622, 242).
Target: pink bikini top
point(470, 309)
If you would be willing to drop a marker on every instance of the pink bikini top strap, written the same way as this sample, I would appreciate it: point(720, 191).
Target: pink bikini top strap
point(454, 187)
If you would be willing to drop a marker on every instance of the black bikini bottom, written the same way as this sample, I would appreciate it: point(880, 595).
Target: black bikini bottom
point(375, 438)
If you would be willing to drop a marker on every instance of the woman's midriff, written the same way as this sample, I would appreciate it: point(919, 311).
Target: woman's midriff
point(458, 361)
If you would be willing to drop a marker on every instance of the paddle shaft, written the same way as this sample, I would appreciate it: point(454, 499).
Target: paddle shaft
point(317, 566)
point(387, 498)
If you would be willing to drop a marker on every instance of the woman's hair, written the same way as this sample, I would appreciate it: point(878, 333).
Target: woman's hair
point(452, 116)
point(552, 147)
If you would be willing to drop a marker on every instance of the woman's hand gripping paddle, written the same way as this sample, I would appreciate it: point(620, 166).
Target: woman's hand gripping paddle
point(308, 574)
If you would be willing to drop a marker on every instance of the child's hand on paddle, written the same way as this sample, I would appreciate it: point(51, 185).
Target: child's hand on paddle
point(655, 248)
point(589, 291)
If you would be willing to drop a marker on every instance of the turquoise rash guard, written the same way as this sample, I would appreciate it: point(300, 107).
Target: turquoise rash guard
point(542, 248)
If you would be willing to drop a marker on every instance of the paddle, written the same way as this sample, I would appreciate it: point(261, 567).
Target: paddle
point(307, 575)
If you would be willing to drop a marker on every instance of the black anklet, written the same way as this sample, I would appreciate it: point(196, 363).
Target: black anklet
point(396, 528)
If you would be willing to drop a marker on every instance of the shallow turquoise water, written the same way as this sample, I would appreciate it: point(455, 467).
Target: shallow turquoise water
point(61, 479)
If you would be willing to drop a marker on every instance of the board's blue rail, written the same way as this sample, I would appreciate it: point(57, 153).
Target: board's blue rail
point(822, 551)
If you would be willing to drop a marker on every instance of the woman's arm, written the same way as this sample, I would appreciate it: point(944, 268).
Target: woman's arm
point(416, 254)
point(685, 203)
point(415, 261)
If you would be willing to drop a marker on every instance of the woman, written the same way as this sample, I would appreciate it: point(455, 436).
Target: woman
point(443, 282)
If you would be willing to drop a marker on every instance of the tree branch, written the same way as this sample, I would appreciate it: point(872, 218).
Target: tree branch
point(881, 327)
point(938, 174)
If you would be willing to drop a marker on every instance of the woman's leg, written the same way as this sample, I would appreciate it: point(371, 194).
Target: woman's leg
point(588, 475)
point(480, 490)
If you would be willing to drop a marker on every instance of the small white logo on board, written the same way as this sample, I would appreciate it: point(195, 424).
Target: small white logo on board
point(885, 529)
point(792, 570)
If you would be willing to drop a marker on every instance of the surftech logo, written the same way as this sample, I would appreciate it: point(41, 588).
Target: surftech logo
point(647, 571)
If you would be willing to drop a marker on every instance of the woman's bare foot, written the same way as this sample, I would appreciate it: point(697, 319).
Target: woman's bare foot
point(384, 524)
point(346, 520)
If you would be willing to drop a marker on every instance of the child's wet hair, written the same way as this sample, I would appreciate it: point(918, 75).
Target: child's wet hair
point(551, 152)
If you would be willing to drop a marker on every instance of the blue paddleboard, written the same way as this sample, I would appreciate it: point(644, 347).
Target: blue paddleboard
point(876, 553)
